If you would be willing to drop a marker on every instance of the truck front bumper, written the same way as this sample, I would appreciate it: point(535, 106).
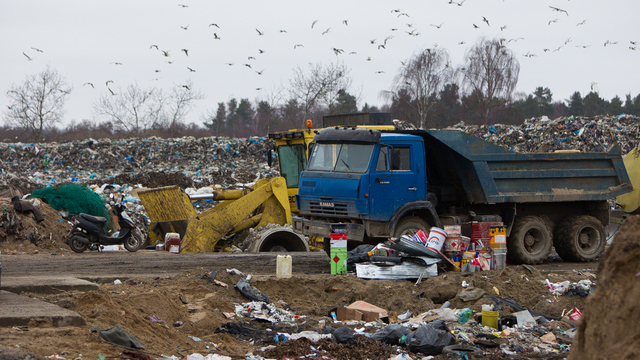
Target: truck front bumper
point(355, 232)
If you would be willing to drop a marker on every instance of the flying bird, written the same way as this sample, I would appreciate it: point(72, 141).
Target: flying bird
point(593, 84)
point(283, 31)
point(437, 26)
point(337, 51)
point(381, 46)
point(369, 58)
point(528, 54)
point(485, 20)
point(503, 27)
point(372, 41)
point(186, 87)
point(184, 27)
point(88, 83)
point(395, 10)
point(261, 51)
point(345, 22)
point(28, 58)
point(154, 46)
point(559, 10)
point(247, 65)
point(250, 58)
point(476, 26)
point(111, 91)
point(552, 21)
point(313, 23)
point(297, 45)
point(186, 51)
point(352, 53)
point(379, 72)
point(387, 38)
point(190, 69)
point(214, 24)
point(259, 72)
point(403, 14)
point(413, 32)
point(184, 6)
point(632, 42)
point(461, 43)
point(36, 49)
point(608, 42)
point(582, 23)
point(116, 63)
point(326, 31)
point(259, 32)
point(165, 53)
point(108, 81)
point(230, 64)
point(215, 36)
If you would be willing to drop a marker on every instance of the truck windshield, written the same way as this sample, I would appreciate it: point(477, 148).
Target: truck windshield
point(291, 161)
point(340, 157)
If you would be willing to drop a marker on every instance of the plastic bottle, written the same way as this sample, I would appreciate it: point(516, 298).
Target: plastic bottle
point(464, 315)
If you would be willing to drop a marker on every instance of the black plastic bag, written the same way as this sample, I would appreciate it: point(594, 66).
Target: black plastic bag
point(391, 334)
point(343, 335)
point(430, 339)
point(326, 330)
point(250, 293)
point(358, 255)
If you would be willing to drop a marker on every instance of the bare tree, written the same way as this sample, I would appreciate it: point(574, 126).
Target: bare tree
point(133, 110)
point(320, 86)
point(37, 103)
point(490, 74)
point(420, 79)
point(178, 104)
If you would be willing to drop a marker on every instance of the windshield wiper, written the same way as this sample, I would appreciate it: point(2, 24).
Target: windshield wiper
point(348, 168)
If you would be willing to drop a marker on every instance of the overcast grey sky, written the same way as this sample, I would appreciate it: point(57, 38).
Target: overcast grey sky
point(83, 40)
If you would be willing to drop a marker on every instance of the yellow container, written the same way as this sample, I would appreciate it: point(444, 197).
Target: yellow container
point(490, 318)
point(283, 267)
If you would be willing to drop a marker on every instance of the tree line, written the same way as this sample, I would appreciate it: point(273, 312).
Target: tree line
point(427, 91)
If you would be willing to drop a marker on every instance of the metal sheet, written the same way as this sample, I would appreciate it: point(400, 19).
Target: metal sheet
point(414, 249)
point(406, 270)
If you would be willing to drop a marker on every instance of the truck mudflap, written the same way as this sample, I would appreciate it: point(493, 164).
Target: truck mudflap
point(355, 232)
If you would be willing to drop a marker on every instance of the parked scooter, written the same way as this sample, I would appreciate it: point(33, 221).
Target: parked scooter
point(88, 232)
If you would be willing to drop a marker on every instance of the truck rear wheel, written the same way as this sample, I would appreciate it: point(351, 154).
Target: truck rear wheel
point(530, 241)
point(410, 227)
point(580, 238)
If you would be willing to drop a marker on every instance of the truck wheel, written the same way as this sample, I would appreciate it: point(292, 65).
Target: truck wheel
point(410, 227)
point(530, 241)
point(580, 238)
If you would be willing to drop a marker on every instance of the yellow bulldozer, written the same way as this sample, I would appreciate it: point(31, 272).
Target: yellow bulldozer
point(267, 205)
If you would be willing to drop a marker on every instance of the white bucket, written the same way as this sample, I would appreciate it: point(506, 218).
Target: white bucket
point(436, 239)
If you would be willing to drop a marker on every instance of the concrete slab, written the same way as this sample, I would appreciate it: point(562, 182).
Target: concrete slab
point(46, 284)
point(17, 310)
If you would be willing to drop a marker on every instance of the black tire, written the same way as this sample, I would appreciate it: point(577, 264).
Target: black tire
point(77, 246)
point(410, 226)
point(530, 241)
point(135, 241)
point(580, 238)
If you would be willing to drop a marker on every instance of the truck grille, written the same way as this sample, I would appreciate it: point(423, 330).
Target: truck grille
point(329, 207)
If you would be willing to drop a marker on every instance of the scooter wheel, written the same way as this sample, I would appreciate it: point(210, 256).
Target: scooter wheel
point(77, 246)
point(135, 241)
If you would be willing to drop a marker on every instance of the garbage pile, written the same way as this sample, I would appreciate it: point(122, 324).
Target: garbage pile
point(586, 134)
point(208, 160)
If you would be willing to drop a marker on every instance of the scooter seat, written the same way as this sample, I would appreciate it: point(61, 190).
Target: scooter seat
point(94, 219)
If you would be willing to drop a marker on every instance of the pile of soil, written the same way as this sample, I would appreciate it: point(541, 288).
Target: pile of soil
point(148, 308)
point(149, 179)
point(20, 233)
point(609, 325)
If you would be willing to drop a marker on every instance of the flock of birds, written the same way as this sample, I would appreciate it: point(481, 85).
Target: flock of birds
point(410, 30)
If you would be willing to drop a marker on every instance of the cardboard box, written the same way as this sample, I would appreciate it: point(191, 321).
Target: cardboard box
point(369, 312)
point(343, 314)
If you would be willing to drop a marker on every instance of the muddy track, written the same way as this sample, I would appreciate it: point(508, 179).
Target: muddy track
point(121, 264)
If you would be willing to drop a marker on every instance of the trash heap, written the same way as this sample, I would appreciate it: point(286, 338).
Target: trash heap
point(586, 134)
point(208, 160)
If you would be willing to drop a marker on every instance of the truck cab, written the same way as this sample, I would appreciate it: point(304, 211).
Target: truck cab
point(364, 178)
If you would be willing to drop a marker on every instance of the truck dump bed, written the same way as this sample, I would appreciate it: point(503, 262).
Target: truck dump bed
point(487, 174)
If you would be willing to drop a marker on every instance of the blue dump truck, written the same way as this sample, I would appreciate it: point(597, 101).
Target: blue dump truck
point(391, 183)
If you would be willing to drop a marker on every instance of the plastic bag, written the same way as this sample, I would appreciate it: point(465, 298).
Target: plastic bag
point(391, 334)
point(358, 255)
point(250, 293)
point(430, 339)
point(343, 335)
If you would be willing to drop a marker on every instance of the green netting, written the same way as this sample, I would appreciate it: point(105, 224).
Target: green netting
point(73, 198)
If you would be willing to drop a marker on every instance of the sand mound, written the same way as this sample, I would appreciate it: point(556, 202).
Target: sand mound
point(609, 325)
